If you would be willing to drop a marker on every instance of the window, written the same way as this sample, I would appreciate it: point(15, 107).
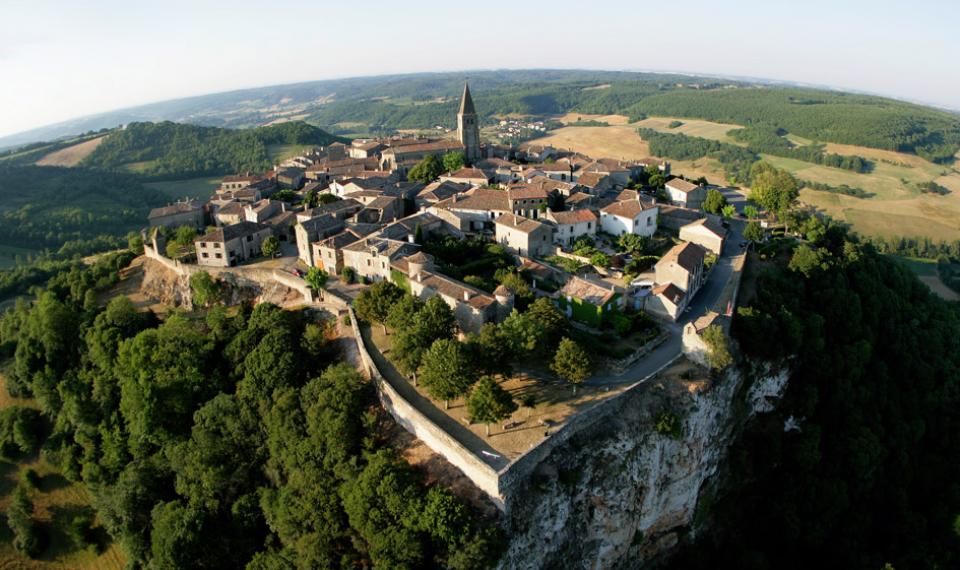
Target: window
point(368, 263)
point(217, 245)
point(203, 244)
point(649, 221)
point(219, 256)
point(249, 238)
point(204, 255)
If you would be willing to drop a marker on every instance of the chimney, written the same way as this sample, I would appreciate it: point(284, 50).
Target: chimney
point(466, 295)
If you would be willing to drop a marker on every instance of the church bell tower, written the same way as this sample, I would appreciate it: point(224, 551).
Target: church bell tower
point(468, 129)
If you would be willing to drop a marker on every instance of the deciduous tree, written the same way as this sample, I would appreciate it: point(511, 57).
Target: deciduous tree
point(447, 372)
point(489, 402)
point(572, 363)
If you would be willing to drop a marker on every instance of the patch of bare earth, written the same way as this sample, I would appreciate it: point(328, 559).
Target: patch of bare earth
point(72, 155)
point(939, 288)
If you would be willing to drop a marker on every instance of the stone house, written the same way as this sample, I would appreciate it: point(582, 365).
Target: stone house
point(471, 306)
point(471, 176)
point(571, 224)
point(290, 177)
point(364, 148)
point(404, 157)
point(230, 245)
point(526, 201)
point(589, 302)
point(186, 213)
point(238, 181)
point(682, 266)
point(686, 194)
point(629, 216)
point(313, 230)
point(523, 236)
point(328, 253)
point(437, 192)
point(372, 256)
point(666, 301)
point(705, 232)
point(229, 214)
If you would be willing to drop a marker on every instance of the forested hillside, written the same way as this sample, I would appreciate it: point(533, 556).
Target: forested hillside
point(221, 440)
point(870, 474)
point(172, 150)
point(426, 100)
point(825, 116)
point(46, 206)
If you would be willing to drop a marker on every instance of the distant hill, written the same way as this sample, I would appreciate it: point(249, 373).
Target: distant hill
point(175, 151)
point(365, 105)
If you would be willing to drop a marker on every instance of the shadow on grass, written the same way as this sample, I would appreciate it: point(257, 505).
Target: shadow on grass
point(52, 482)
point(70, 530)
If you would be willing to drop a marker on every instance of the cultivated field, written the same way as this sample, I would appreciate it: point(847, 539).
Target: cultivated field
point(897, 207)
point(72, 155)
point(623, 142)
point(281, 152)
point(691, 127)
point(926, 271)
point(199, 188)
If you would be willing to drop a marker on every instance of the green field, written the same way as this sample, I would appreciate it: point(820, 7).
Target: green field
point(9, 253)
point(198, 188)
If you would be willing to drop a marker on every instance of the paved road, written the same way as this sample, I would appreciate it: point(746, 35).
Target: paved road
point(705, 299)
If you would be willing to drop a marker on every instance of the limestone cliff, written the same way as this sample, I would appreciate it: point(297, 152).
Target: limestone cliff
point(171, 287)
point(621, 493)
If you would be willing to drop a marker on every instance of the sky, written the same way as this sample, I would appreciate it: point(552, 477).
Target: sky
point(62, 59)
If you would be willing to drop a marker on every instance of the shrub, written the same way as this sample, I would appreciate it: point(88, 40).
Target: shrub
point(669, 424)
point(348, 274)
point(30, 477)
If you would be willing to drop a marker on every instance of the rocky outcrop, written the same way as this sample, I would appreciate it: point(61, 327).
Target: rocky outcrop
point(621, 493)
point(172, 287)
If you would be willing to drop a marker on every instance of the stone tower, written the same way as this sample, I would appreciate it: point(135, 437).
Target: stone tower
point(468, 129)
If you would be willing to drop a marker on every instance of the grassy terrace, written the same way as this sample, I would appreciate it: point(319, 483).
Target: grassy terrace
point(555, 402)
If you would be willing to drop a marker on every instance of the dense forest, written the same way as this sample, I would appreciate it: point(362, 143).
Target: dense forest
point(43, 207)
point(870, 475)
point(240, 427)
point(172, 150)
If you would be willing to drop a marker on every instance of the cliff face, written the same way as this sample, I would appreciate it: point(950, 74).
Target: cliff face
point(169, 287)
point(620, 494)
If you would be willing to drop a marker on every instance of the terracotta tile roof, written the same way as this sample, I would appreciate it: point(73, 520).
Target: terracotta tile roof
point(340, 240)
point(578, 197)
point(714, 227)
point(467, 173)
point(248, 178)
point(625, 209)
point(681, 185)
point(687, 255)
point(593, 293)
point(519, 223)
point(524, 192)
point(483, 199)
point(591, 179)
point(673, 293)
point(231, 209)
point(572, 217)
point(178, 208)
point(454, 289)
point(436, 191)
point(232, 232)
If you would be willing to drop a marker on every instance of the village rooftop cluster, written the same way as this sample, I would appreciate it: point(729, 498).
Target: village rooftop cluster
point(360, 215)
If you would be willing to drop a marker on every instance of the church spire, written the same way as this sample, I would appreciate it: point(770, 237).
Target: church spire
point(466, 102)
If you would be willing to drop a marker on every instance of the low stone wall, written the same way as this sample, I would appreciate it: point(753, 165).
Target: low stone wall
point(408, 416)
point(620, 366)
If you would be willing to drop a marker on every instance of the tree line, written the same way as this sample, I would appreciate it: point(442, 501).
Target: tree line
point(238, 425)
point(867, 476)
point(172, 150)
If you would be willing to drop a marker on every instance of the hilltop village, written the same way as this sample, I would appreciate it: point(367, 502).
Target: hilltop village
point(363, 211)
point(595, 272)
